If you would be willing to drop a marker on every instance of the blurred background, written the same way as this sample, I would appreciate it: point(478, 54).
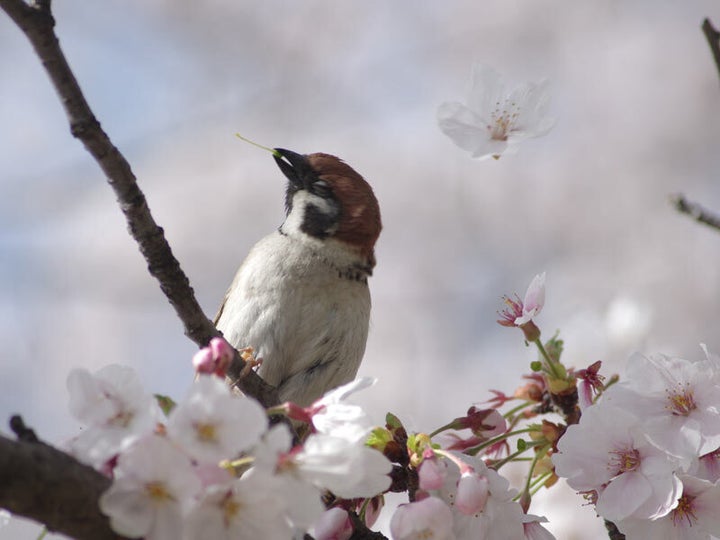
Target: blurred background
point(637, 99)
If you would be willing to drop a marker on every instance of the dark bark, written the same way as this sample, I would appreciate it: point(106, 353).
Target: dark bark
point(45, 484)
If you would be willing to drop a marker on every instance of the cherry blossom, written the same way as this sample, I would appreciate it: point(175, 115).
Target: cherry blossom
point(428, 518)
point(521, 313)
point(347, 469)
point(431, 474)
point(695, 517)
point(115, 407)
point(591, 382)
point(709, 466)
point(324, 462)
point(244, 509)
point(496, 516)
point(533, 529)
point(332, 415)
point(607, 453)
point(334, 524)
point(493, 120)
point(211, 424)
point(154, 484)
point(472, 493)
point(679, 401)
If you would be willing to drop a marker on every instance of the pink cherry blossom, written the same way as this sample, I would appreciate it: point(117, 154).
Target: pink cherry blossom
point(533, 529)
point(496, 516)
point(608, 453)
point(431, 474)
point(695, 517)
point(679, 401)
point(472, 493)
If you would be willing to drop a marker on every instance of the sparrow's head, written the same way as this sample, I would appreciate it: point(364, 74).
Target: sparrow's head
point(326, 198)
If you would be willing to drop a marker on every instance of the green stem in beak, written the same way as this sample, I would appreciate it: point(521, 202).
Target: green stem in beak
point(271, 150)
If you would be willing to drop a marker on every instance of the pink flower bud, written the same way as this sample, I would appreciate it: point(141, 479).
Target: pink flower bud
point(221, 349)
point(203, 361)
point(472, 493)
point(485, 423)
point(333, 524)
point(373, 509)
point(431, 474)
point(222, 354)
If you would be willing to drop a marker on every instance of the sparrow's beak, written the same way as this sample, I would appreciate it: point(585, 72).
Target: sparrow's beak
point(294, 166)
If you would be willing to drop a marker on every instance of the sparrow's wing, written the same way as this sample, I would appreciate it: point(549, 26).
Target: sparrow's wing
point(220, 309)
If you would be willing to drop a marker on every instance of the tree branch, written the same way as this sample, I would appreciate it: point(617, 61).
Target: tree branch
point(694, 210)
point(713, 39)
point(37, 23)
point(45, 484)
point(613, 532)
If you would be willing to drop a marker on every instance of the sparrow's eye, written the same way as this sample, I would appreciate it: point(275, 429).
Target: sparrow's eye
point(321, 189)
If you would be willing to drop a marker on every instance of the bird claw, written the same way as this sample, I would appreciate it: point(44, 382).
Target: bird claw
point(247, 354)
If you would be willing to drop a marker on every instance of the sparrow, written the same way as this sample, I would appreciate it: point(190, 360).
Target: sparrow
point(300, 299)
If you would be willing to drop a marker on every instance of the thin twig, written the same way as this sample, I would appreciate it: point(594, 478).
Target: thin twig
point(613, 532)
point(694, 210)
point(37, 22)
point(713, 38)
point(42, 483)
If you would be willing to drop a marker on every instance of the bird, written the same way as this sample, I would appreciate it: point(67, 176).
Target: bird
point(300, 298)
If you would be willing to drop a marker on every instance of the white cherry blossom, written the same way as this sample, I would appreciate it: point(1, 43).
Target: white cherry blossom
point(493, 120)
point(211, 424)
point(333, 415)
point(244, 509)
point(428, 518)
point(115, 408)
point(153, 486)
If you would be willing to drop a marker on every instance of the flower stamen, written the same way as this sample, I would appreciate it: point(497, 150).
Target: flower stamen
point(206, 432)
point(624, 460)
point(684, 511)
point(681, 402)
point(158, 492)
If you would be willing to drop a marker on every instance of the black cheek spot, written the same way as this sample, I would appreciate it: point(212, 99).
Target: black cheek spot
point(318, 223)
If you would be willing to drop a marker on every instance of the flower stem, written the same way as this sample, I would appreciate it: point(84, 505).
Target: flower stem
point(515, 454)
point(551, 364)
point(446, 427)
point(529, 482)
point(539, 482)
point(520, 407)
point(363, 510)
point(475, 449)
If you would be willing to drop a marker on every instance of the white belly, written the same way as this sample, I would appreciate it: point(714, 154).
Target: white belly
point(308, 324)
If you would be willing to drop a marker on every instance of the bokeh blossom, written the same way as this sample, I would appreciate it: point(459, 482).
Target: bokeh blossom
point(493, 120)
